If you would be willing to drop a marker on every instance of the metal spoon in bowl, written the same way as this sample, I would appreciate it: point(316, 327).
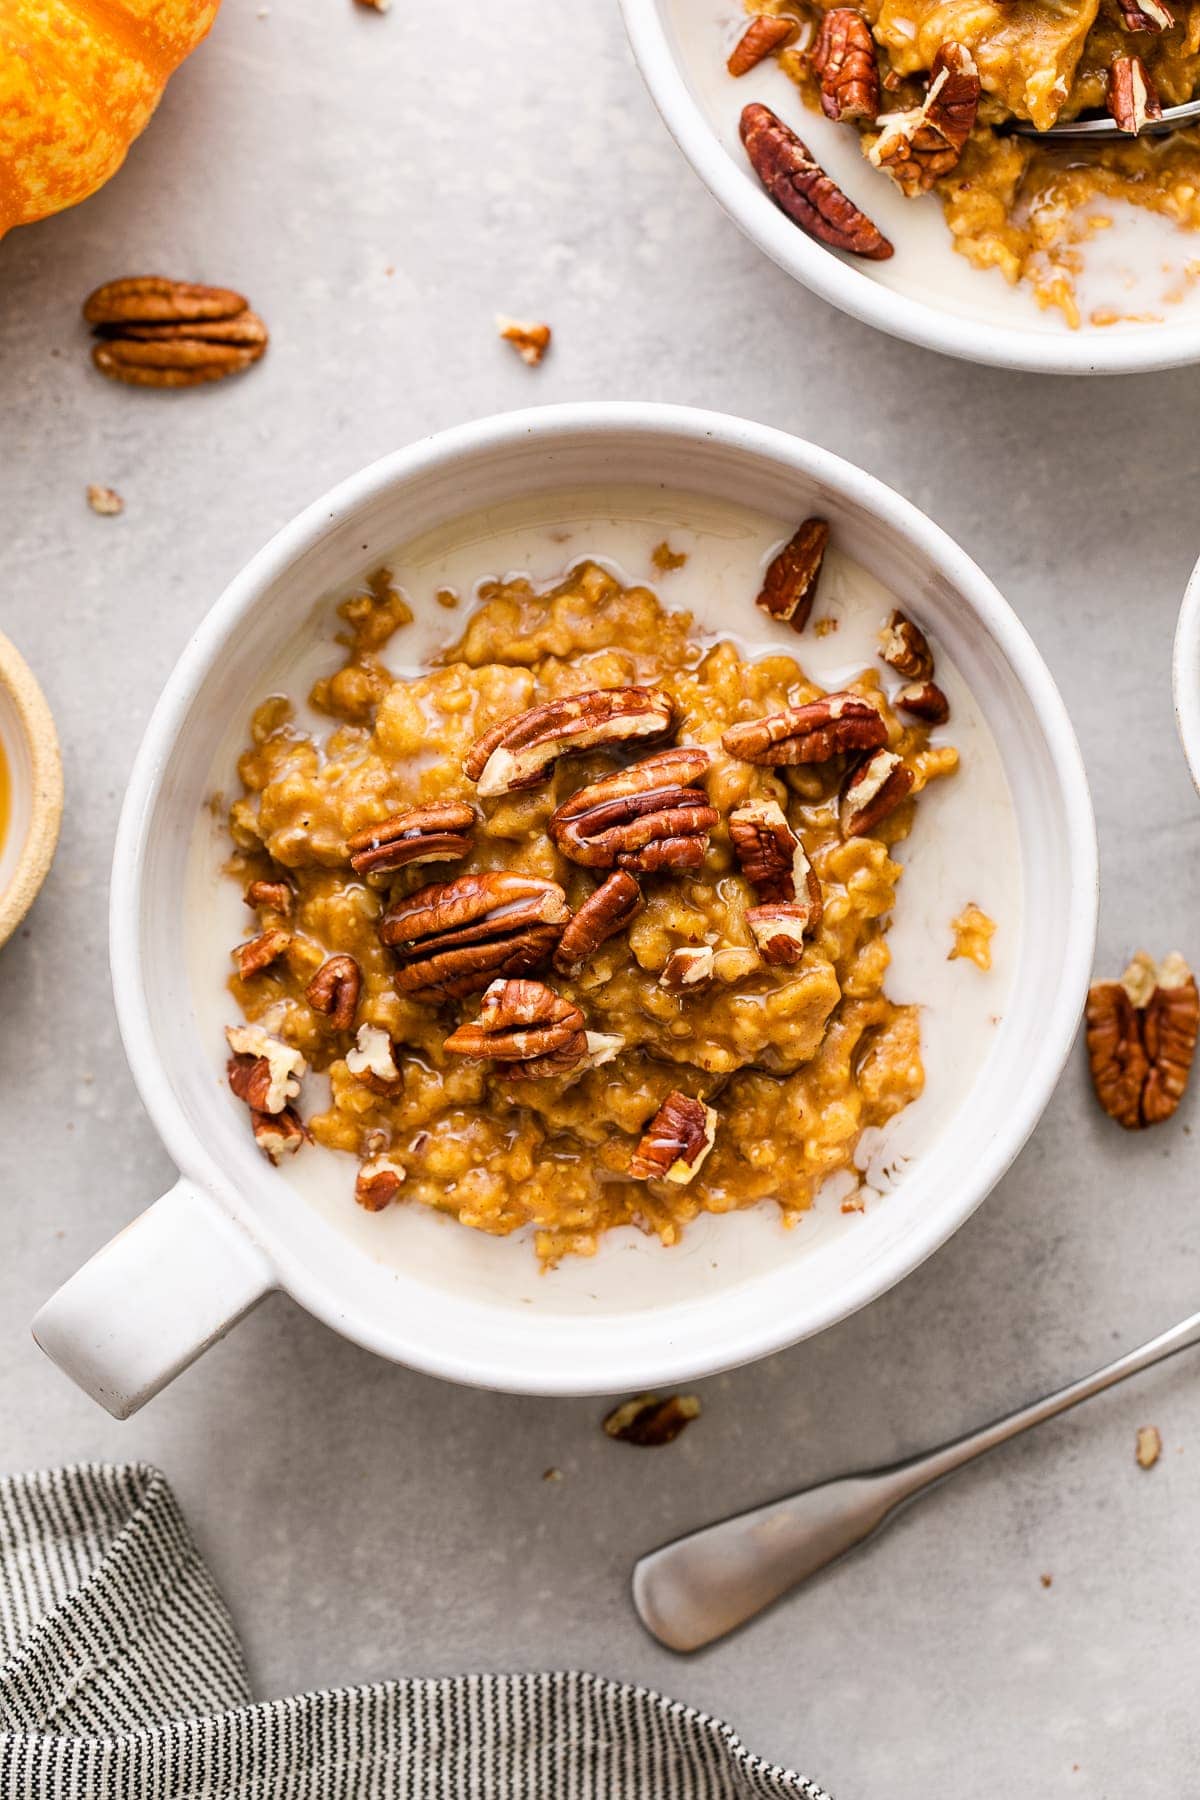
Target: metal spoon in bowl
point(1173, 117)
point(692, 1591)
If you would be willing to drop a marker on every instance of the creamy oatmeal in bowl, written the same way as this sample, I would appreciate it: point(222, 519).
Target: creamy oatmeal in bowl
point(540, 951)
point(875, 153)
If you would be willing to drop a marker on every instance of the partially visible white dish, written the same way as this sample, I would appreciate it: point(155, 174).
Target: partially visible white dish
point(1186, 674)
point(926, 293)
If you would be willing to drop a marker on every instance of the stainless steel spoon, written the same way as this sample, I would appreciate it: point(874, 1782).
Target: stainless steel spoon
point(696, 1589)
point(1173, 118)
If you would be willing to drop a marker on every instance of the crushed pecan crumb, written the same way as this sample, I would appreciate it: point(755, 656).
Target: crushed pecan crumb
point(529, 338)
point(373, 1061)
point(378, 1182)
point(105, 500)
point(1149, 1446)
point(279, 1134)
point(780, 930)
point(263, 1071)
point(650, 1422)
point(691, 966)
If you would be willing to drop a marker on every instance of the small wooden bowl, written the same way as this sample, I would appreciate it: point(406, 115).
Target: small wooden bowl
point(34, 788)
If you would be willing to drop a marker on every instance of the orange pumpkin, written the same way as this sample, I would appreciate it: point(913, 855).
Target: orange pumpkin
point(77, 84)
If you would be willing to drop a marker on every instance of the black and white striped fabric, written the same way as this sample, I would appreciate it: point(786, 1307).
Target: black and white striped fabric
point(121, 1678)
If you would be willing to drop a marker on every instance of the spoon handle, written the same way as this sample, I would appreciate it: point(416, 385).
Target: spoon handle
point(692, 1591)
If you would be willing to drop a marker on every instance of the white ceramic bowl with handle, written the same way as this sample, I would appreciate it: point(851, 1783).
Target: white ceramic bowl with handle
point(926, 292)
point(233, 1228)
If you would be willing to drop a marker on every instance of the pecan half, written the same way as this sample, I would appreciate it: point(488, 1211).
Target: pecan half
point(334, 991)
point(437, 833)
point(263, 1070)
point(811, 733)
point(273, 896)
point(843, 59)
point(650, 1422)
point(518, 752)
point(452, 938)
point(691, 966)
point(378, 1182)
point(765, 34)
point(800, 187)
point(261, 952)
point(373, 1061)
point(873, 792)
point(1132, 97)
point(530, 338)
point(904, 647)
point(676, 1141)
point(279, 1134)
point(523, 1022)
point(1146, 15)
point(925, 701)
point(769, 853)
point(162, 333)
point(646, 817)
point(918, 147)
point(780, 930)
point(605, 912)
point(1141, 1039)
point(790, 584)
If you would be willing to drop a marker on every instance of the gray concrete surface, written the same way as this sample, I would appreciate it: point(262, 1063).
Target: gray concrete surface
point(380, 186)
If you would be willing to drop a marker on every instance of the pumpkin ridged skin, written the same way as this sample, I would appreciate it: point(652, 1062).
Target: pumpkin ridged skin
point(78, 81)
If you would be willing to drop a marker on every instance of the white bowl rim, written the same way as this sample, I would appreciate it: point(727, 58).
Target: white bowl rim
point(292, 542)
point(1185, 674)
point(1097, 352)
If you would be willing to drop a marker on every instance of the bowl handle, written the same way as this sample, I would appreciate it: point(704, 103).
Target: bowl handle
point(153, 1299)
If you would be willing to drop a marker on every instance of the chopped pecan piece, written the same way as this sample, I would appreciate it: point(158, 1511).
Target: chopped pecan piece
point(279, 1134)
point(780, 930)
point(437, 833)
point(676, 1141)
point(811, 733)
point(1132, 97)
point(800, 187)
point(1146, 15)
point(843, 59)
point(1141, 1039)
point(904, 647)
point(604, 913)
point(1148, 1447)
point(925, 701)
point(523, 1022)
point(874, 791)
point(918, 147)
point(646, 817)
point(518, 752)
point(650, 1422)
point(769, 853)
point(334, 991)
point(105, 500)
point(765, 34)
point(452, 938)
point(269, 896)
point(790, 584)
point(263, 1070)
point(378, 1182)
point(261, 952)
point(688, 967)
point(530, 338)
point(373, 1061)
point(163, 333)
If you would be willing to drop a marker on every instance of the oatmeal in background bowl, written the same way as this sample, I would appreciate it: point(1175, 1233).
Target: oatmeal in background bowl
point(581, 898)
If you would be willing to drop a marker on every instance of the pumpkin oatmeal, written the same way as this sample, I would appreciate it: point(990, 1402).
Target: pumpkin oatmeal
point(933, 88)
point(585, 922)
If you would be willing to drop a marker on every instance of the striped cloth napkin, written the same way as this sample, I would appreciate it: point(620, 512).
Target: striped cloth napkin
point(121, 1678)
